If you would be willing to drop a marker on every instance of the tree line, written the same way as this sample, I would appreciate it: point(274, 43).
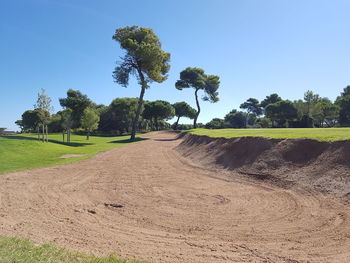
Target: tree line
point(275, 112)
point(82, 115)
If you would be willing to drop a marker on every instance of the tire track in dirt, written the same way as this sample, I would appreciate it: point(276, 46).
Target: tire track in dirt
point(166, 209)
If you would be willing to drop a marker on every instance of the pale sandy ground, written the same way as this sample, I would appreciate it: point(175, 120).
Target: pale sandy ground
point(172, 210)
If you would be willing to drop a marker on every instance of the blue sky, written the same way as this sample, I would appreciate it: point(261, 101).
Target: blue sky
point(256, 47)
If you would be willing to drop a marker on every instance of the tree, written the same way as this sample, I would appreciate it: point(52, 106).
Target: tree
point(252, 106)
point(30, 120)
point(346, 91)
point(119, 115)
point(55, 124)
point(310, 98)
point(283, 110)
point(182, 109)
point(329, 113)
point(236, 119)
point(158, 110)
point(216, 123)
point(77, 102)
point(20, 125)
point(196, 78)
point(67, 123)
point(89, 121)
point(144, 59)
point(343, 102)
point(271, 99)
point(43, 105)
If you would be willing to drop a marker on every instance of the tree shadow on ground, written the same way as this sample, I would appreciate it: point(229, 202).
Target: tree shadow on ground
point(73, 144)
point(129, 141)
point(165, 140)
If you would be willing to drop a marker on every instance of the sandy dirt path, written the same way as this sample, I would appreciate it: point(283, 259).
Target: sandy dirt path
point(145, 201)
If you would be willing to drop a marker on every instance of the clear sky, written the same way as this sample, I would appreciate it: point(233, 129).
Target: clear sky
point(256, 47)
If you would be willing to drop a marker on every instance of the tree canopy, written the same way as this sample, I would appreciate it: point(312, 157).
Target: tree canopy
point(273, 98)
point(77, 102)
point(158, 110)
point(144, 58)
point(252, 106)
point(283, 110)
point(89, 121)
point(197, 79)
point(182, 109)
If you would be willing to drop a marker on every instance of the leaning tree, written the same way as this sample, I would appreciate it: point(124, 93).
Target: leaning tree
point(144, 59)
point(196, 78)
point(182, 109)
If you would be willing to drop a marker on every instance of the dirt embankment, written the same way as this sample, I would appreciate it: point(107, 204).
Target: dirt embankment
point(324, 166)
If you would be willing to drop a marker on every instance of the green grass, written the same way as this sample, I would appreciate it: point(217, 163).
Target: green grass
point(24, 151)
point(320, 134)
point(15, 250)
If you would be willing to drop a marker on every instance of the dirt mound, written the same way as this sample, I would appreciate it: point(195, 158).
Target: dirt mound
point(323, 165)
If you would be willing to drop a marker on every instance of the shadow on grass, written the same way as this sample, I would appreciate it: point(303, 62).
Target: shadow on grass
point(73, 144)
point(165, 140)
point(129, 141)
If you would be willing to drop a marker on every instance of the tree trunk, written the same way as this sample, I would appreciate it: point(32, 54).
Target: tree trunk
point(157, 124)
point(87, 135)
point(47, 133)
point(198, 110)
point(63, 135)
point(139, 106)
point(43, 135)
point(38, 132)
point(177, 122)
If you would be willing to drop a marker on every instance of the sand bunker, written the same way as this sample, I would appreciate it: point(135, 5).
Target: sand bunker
point(147, 201)
point(325, 166)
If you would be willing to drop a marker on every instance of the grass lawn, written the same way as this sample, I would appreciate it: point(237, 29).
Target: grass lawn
point(15, 250)
point(320, 134)
point(24, 151)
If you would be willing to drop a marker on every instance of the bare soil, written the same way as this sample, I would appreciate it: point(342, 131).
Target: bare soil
point(147, 201)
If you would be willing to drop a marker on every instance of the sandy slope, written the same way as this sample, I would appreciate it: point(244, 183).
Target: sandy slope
point(170, 210)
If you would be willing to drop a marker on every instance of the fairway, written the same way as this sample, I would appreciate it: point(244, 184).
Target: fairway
point(320, 134)
point(24, 151)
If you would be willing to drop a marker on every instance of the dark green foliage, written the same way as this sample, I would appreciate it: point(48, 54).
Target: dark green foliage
point(196, 78)
point(182, 109)
point(252, 106)
point(236, 119)
point(216, 123)
point(263, 123)
point(271, 99)
point(183, 126)
point(144, 58)
point(329, 113)
point(154, 111)
point(77, 102)
point(306, 122)
point(343, 103)
point(89, 121)
point(344, 110)
point(282, 111)
point(30, 120)
point(55, 124)
point(118, 116)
